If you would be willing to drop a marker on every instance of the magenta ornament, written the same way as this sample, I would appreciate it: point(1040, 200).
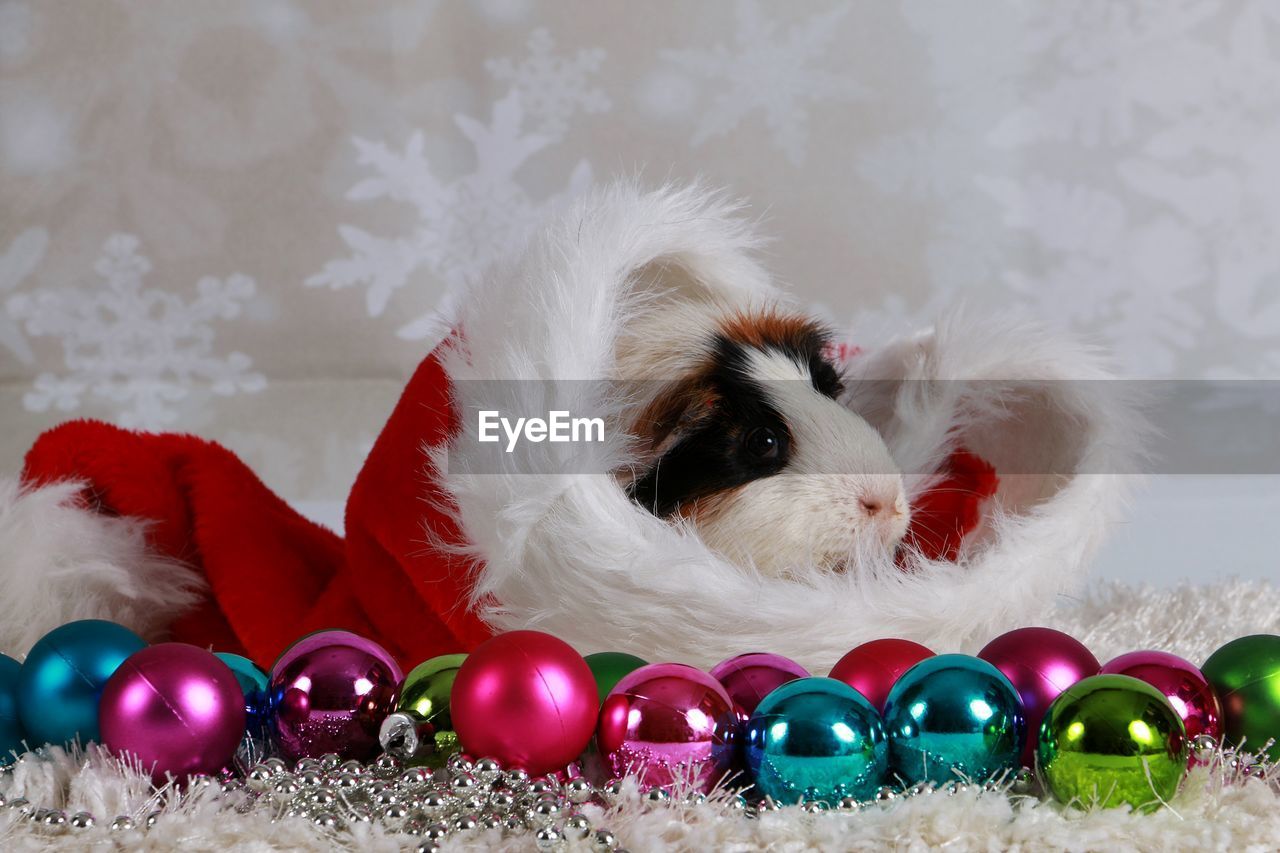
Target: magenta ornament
point(873, 668)
point(1041, 663)
point(750, 677)
point(669, 723)
point(1182, 683)
point(330, 692)
point(527, 699)
point(176, 708)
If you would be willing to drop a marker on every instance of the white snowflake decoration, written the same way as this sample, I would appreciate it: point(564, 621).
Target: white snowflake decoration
point(464, 225)
point(17, 263)
point(1097, 268)
point(142, 350)
point(770, 72)
point(553, 88)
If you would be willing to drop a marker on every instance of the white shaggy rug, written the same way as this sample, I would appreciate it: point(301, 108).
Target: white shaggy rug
point(1219, 807)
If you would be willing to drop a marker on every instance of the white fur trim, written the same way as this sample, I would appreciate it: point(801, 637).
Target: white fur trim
point(60, 562)
point(570, 554)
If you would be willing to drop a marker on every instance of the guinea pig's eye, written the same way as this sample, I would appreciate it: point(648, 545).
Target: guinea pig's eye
point(762, 443)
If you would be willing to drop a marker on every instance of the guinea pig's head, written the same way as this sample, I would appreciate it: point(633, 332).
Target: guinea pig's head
point(749, 445)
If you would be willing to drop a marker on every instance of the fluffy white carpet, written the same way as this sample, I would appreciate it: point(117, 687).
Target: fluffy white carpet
point(1219, 807)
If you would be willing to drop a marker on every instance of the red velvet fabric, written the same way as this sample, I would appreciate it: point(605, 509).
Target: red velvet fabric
point(274, 576)
point(942, 516)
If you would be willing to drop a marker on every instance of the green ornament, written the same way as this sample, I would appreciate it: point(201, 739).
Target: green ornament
point(1245, 673)
point(1113, 739)
point(610, 667)
point(424, 697)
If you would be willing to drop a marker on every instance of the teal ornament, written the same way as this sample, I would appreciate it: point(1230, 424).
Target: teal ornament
point(257, 692)
point(11, 732)
point(62, 679)
point(816, 739)
point(953, 716)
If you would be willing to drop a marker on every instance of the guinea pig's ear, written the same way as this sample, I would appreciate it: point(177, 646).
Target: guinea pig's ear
point(667, 280)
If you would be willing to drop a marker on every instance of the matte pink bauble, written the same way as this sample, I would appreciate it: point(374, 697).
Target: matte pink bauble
point(669, 723)
point(176, 708)
point(331, 691)
point(1184, 685)
point(527, 699)
point(873, 668)
point(1041, 663)
point(751, 677)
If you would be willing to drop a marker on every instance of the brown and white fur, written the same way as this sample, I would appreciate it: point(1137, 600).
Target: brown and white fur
point(741, 435)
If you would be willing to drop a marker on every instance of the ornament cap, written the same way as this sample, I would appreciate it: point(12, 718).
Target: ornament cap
point(407, 736)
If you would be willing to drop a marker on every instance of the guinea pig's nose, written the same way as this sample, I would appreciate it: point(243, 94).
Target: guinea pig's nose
point(882, 501)
point(871, 506)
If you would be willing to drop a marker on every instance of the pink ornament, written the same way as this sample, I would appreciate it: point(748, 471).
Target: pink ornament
point(332, 690)
point(751, 677)
point(1185, 686)
point(873, 668)
point(669, 722)
point(176, 708)
point(1041, 663)
point(526, 699)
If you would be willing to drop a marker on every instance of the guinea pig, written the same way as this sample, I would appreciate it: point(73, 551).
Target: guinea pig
point(739, 433)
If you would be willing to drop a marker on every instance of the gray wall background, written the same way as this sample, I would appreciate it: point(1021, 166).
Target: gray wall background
point(236, 218)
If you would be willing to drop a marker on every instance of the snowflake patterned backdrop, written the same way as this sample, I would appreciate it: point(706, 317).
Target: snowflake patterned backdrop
point(242, 219)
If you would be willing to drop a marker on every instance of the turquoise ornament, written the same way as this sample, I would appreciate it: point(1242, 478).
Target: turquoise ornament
point(952, 717)
point(11, 731)
point(257, 692)
point(816, 739)
point(62, 679)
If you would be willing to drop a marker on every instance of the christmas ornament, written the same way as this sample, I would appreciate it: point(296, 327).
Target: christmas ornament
point(63, 676)
point(11, 732)
point(873, 668)
point(1112, 739)
point(1181, 683)
point(330, 692)
point(816, 739)
point(1245, 673)
point(256, 688)
point(421, 729)
point(668, 722)
point(751, 677)
point(609, 668)
point(527, 699)
point(176, 708)
point(953, 716)
point(1040, 663)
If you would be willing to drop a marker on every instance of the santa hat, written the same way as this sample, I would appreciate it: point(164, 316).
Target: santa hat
point(1013, 488)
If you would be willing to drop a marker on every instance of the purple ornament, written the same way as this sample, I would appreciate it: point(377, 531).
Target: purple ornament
point(750, 677)
point(331, 690)
point(669, 723)
point(1184, 685)
point(176, 708)
point(1041, 663)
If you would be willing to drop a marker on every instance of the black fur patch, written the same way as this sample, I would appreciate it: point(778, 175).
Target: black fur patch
point(721, 451)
